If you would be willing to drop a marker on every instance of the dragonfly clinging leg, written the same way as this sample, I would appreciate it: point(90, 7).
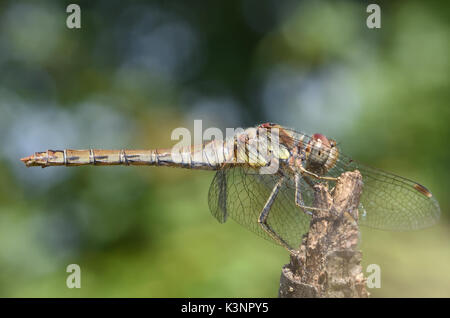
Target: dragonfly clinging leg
point(298, 196)
point(262, 219)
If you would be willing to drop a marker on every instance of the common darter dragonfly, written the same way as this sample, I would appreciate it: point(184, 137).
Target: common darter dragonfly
point(275, 205)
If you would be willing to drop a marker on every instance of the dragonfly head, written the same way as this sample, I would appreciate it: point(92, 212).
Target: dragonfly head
point(321, 154)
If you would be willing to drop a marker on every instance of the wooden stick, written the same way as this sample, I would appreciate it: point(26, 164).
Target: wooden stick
point(328, 264)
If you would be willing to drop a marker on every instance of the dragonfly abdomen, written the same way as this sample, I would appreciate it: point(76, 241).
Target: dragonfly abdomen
point(100, 157)
point(209, 156)
point(251, 147)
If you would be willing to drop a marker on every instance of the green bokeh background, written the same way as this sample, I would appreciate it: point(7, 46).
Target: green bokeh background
point(137, 70)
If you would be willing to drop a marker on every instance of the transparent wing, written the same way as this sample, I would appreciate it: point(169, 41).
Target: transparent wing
point(388, 202)
point(241, 192)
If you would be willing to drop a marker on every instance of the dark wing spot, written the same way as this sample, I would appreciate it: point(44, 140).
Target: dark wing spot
point(423, 190)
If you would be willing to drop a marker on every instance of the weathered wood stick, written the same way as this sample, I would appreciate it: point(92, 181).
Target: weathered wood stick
point(328, 263)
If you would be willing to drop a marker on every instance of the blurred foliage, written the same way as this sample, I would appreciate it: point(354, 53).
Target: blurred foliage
point(137, 70)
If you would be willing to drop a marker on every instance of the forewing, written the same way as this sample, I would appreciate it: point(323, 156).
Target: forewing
point(241, 193)
point(390, 202)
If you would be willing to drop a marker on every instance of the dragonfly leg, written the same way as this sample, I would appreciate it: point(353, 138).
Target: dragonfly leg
point(311, 184)
point(316, 176)
point(298, 196)
point(262, 219)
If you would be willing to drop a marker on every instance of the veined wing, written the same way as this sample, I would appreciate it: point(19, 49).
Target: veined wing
point(388, 202)
point(391, 202)
point(241, 192)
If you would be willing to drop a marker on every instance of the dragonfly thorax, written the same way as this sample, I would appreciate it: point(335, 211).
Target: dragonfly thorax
point(321, 154)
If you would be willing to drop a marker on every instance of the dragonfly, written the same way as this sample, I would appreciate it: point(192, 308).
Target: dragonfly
point(265, 178)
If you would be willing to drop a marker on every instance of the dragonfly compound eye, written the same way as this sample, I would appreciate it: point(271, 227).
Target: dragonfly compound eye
point(322, 154)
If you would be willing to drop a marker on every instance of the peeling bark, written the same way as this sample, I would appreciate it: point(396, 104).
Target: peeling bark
point(328, 264)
